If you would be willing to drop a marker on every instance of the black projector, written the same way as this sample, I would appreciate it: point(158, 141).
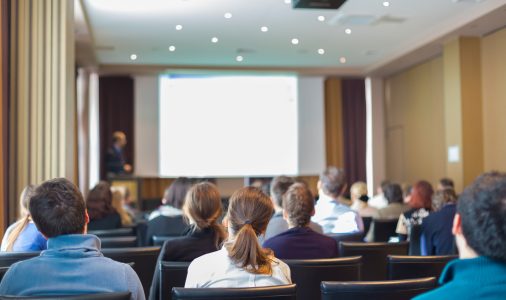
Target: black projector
point(318, 4)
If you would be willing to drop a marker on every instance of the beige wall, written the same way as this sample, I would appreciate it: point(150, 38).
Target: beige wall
point(493, 60)
point(414, 110)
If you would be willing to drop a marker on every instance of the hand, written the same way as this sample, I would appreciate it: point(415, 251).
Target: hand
point(127, 168)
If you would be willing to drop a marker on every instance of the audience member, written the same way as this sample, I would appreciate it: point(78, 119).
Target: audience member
point(379, 201)
point(480, 233)
point(359, 198)
point(241, 262)
point(445, 183)
point(437, 238)
point(407, 193)
point(202, 208)
point(277, 224)
point(330, 213)
point(118, 204)
point(300, 241)
point(24, 235)
point(99, 204)
point(72, 263)
point(420, 204)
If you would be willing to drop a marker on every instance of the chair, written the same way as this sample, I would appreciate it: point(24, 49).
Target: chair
point(144, 260)
point(158, 240)
point(9, 258)
point(347, 237)
point(113, 232)
point(377, 290)
point(408, 267)
point(309, 273)
point(367, 224)
point(280, 292)
point(118, 242)
point(3, 270)
point(98, 296)
point(374, 256)
point(172, 274)
point(414, 240)
point(384, 229)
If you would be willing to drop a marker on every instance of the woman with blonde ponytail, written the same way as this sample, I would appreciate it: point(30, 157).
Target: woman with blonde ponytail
point(24, 235)
point(241, 262)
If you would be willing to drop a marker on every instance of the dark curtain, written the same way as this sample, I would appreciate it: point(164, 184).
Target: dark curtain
point(116, 113)
point(354, 129)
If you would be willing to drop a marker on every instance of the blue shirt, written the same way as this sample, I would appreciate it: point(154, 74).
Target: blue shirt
point(437, 237)
point(335, 217)
point(30, 239)
point(302, 243)
point(72, 264)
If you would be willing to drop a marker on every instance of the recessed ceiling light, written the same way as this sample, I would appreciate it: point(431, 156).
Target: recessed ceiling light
point(347, 31)
point(239, 58)
point(342, 59)
point(179, 27)
point(288, 1)
point(172, 48)
point(264, 28)
point(214, 40)
point(386, 3)
point(133, 56)
point(321, 18)
point(228, 15)
point(295, 41)
point(321, 51)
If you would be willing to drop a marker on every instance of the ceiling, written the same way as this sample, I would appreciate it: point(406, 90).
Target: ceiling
point(383, 38)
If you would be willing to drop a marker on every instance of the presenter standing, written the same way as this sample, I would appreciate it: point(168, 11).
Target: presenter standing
point(115, 158)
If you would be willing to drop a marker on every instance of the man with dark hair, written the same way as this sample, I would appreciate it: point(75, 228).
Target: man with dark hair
point(72, 263)
point(331, 213)
point(479, 228)
point(300, 241)
point(445, 183)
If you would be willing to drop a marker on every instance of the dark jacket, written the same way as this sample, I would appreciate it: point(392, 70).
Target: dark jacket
point(111, 221)
point(115, 160)
point(437, 237)
point(165, 226)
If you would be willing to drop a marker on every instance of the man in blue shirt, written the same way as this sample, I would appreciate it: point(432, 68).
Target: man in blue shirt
point(72, 263)
point(480, 233)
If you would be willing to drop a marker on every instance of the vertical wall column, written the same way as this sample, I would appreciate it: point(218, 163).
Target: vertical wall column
point(4, 116)
point(463, 110)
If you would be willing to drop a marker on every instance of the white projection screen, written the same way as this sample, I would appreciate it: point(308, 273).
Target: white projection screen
point(228, 126)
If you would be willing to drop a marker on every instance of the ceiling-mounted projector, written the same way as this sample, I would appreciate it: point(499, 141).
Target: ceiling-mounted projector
point(318, 4)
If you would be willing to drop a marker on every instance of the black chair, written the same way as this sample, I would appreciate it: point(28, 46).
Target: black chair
point(280, 292)
point(414, 240)
point(374, 256)
point(367, 224)
point(172, 274)
point(98, 296)
point(408, 267)
point(309, 273)
point(347, 237)
point(377, 290)
point(384, 229)
point(144, 260)
point(118, 242)
point(159, 240)
point(3, 270)
point(8, 258)
point(129, 231)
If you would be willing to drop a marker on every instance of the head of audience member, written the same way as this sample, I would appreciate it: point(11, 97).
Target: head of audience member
point(24, 216)
point(393, 193)
point(118, 200)
point(332, 182)
point(57, 207)
point(202, 207)
point(279, 186)
point(407, 193)
point(119, 139)
point(298, 205)
point(382, 186)
point(249, 212)
point(421, 195)
point(445, 183)
point(443, 197)
point(175, 194)
point(99, 201)
point(480, 223)
point(358, 192)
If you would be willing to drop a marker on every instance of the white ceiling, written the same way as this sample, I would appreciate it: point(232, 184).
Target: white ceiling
point(119, 28)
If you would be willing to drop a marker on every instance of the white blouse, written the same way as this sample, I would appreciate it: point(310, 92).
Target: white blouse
point(216, 269)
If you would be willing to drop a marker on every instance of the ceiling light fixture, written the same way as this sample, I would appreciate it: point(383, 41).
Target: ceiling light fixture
point(321, 18)
point(179, 27)
point(214, 40)
point(347, 31)
point(342, 59)
point(172, 48)
point(264, 28)
point(228, 15)
point(295, 41)
point(321, 51)
point(133, 57)
point(386, 3)
point(239, 58)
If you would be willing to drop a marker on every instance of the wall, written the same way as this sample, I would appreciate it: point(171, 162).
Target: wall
point(415, 136)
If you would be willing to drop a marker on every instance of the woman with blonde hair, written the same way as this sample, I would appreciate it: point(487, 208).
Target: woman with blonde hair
point(24, 235)
point(359, 198)
point(241, 262)
point(118, 199)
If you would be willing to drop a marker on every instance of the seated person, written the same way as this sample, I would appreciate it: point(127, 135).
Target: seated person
point(99, 203)
point(480, 233)
point(241, 262)
point(300, 241)
point(420, 205)
point(72, 263)
point(379, 200)
point(359, 198)
point(202, 208)
point(436, 237)
point(277, 224)
point(445, 183)
point(24, 235)
point(330, 213)
point(117, 203)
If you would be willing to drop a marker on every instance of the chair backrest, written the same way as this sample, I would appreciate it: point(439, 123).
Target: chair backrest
point(8, 258)
point(414, 240)
point(367, 223)
point(407, 267)
point(118, 242)
point(374, 256)
point(3, 270)
point(172, 274)
point(129, 231)
point(309, 273)
point(377, 290)
point(98, 296)
point(144, 259)
point(158, 240)
point(280, 292)
point(384, 229)
point(347, 237)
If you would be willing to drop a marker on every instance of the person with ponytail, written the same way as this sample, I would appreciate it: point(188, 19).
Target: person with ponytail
point(24, 235)
point(202, 210)
point(241, 262)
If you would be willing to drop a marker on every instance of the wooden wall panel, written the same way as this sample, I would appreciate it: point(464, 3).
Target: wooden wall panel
point(333, 123)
